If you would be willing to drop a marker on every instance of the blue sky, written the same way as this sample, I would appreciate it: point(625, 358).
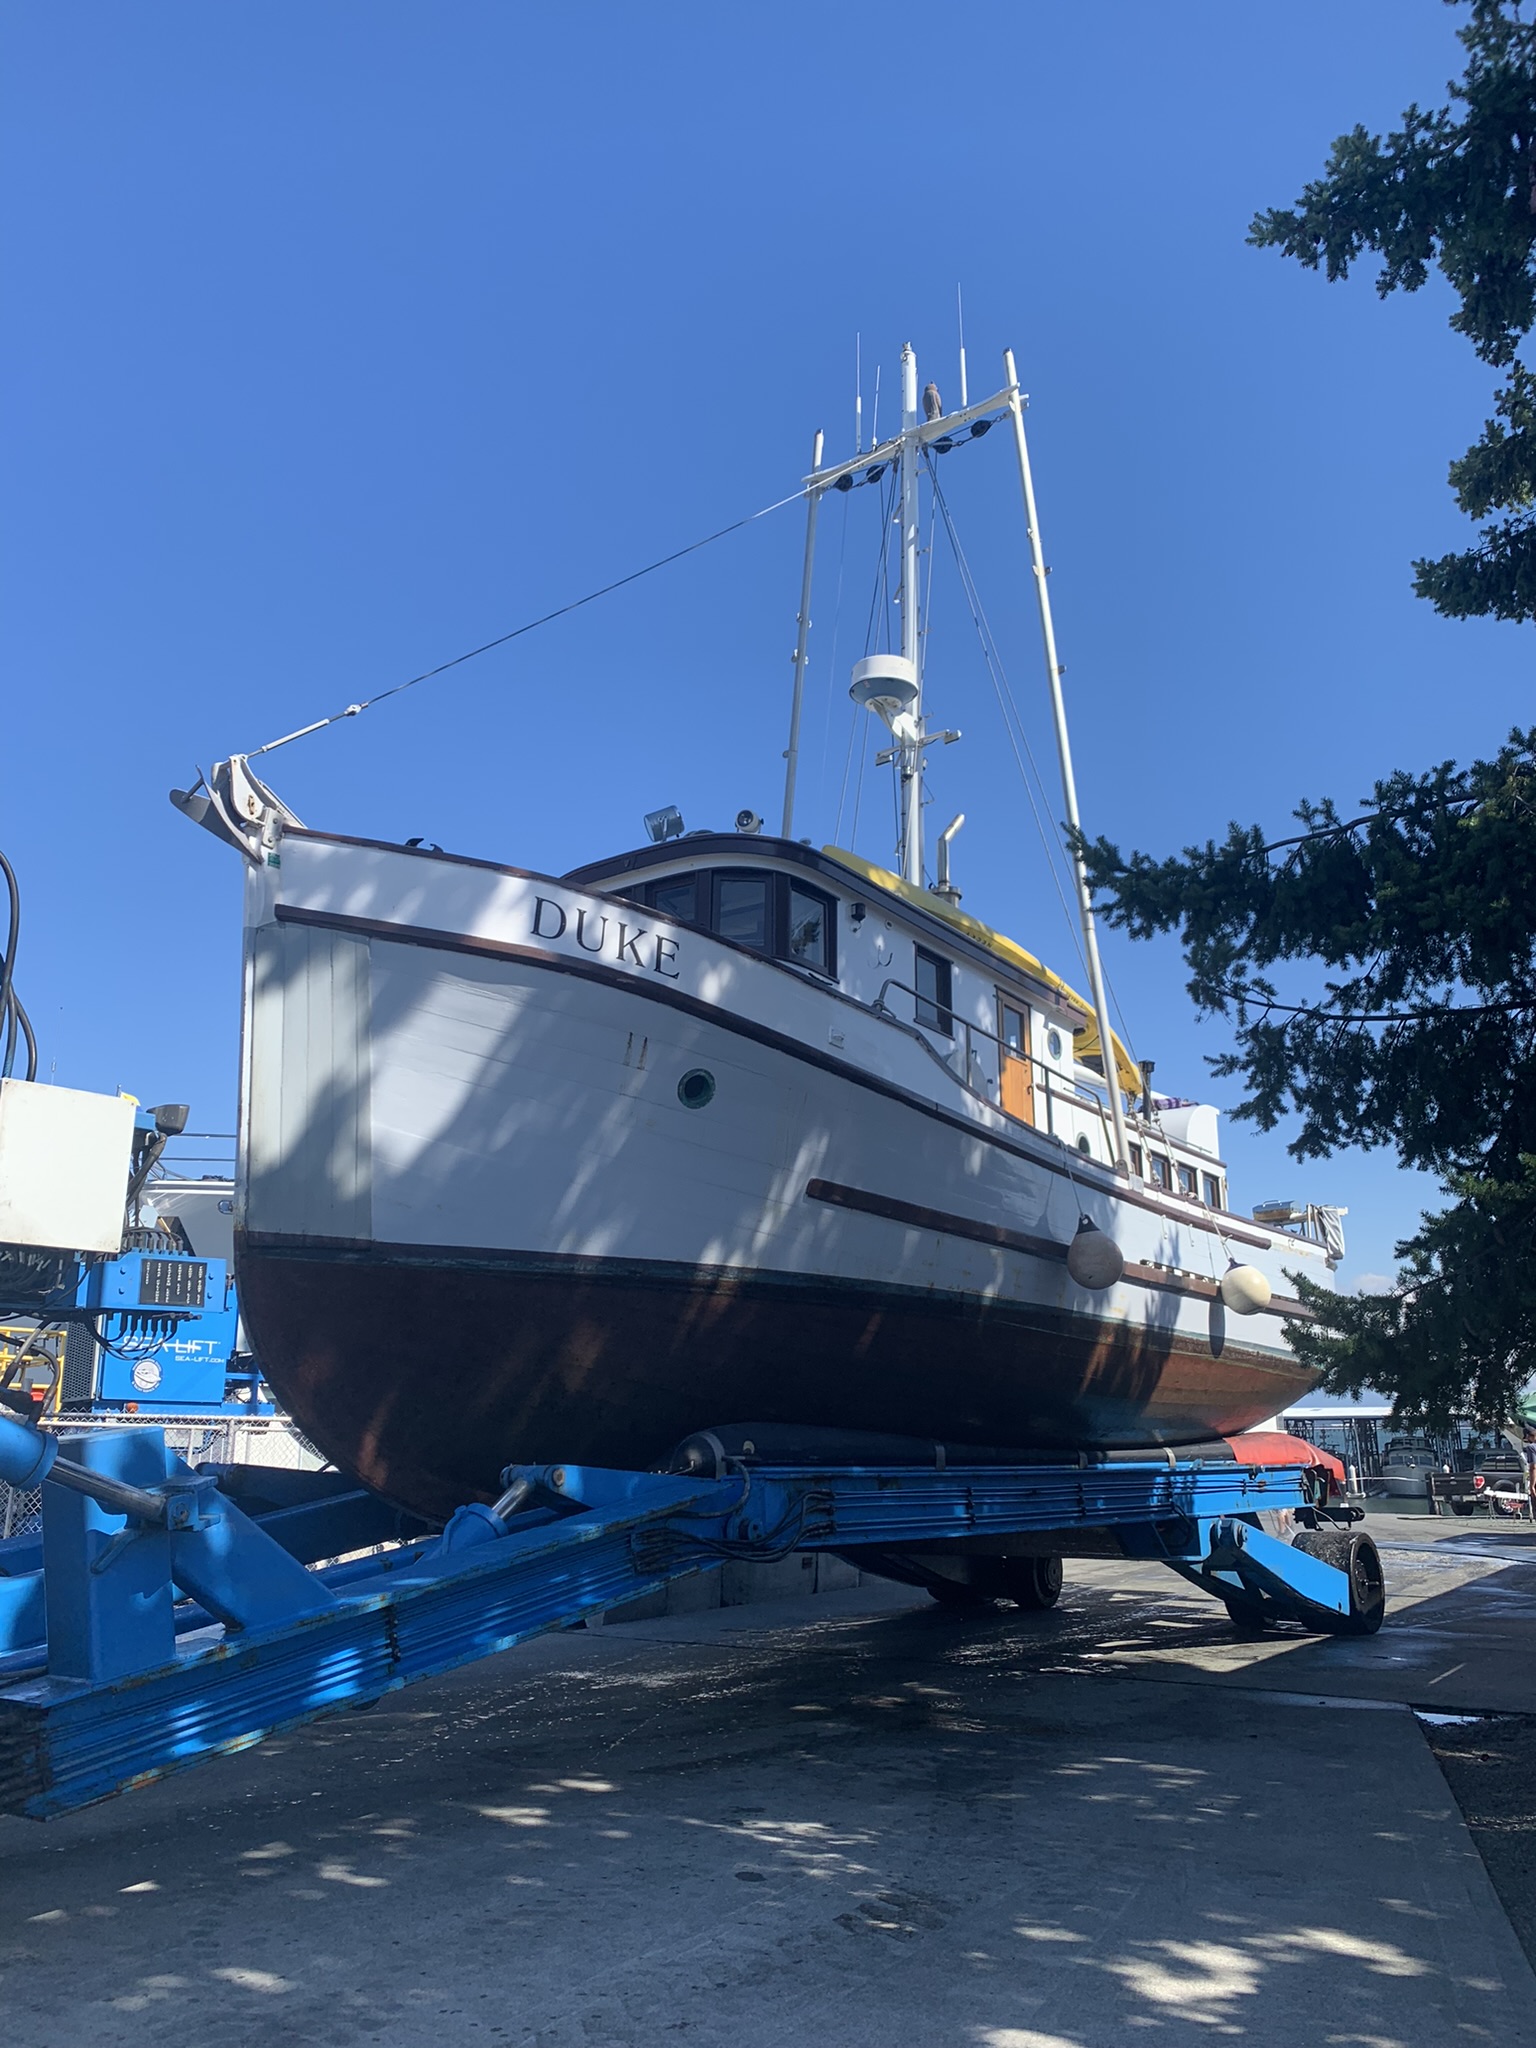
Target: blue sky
point(339, 338)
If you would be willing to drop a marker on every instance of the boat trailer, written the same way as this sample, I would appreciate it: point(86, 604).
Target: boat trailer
point(156, 1621)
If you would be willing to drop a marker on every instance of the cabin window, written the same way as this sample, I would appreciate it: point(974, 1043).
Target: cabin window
point(1213, 1191)
point(743, 910)
point(768, 912)
point(1138, 1166)
point(933, 978)
point(808, 929)
point(677, 896)
point(1161, 1175)
point(1189, 1181)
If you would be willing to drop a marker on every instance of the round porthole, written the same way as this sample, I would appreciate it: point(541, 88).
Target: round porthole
point(696, 1090)
point(1053, 1044)
point(1082, 1143)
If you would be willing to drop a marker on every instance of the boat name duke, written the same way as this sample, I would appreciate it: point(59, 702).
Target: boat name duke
point(550, 921)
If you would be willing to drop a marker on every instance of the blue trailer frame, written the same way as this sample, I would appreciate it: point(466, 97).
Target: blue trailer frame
point(156, 1623)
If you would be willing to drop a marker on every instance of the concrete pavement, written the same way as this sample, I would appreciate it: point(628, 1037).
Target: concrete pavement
point(853, 1818)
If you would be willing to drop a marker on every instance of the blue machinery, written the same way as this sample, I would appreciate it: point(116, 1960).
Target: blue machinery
point(157, 1621)
point(153, 1328)
point(167, 1327)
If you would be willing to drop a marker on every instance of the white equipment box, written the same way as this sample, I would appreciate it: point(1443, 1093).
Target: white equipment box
point(64, 1160)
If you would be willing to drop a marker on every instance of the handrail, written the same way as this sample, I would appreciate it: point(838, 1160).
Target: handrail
point(971, 1030)
point(1077, 1096)
point(880, 1008)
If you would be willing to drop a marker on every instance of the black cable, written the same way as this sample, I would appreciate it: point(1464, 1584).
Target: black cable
point(14, 1021)
point(532, 625)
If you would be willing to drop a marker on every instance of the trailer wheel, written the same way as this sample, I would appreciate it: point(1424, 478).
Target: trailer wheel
point(1032, 1582)
point(1360, 1561)
point(1246, 1616)
point(959, 1597)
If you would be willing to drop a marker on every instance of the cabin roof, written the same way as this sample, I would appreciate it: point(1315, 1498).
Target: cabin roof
point(942, 920)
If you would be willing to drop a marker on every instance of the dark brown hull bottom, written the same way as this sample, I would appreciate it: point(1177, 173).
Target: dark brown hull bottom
point(425, 1373)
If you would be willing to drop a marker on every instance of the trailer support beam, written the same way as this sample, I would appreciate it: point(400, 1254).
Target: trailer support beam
point(193, 1631)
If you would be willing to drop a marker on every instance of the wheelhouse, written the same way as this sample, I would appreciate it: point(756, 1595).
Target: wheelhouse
point(1004, 1030)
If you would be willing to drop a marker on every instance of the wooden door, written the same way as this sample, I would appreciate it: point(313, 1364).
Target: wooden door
point(1017, 1077)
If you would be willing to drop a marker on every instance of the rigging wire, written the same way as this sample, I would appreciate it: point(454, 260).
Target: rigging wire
point(842, 794)
point(855, 722)
point(837, 623)
point(1008, 705)
point(1010, 712)
point(925, 614)
point(531, 625)
point(858, 794)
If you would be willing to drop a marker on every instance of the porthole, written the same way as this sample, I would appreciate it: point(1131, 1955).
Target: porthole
point(1083, 1144)
point(1053, 1044)
point(696, 1090)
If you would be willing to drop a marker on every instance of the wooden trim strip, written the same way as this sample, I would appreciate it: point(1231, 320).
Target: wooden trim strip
point(917, 1218)
point(943, 1222)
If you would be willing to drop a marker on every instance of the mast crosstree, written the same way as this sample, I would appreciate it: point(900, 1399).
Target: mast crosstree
point(894, 687)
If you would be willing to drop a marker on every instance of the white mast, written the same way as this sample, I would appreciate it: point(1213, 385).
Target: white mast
point(792, 751)
point(911, 749)
point(1068, 782)
point(890, 685)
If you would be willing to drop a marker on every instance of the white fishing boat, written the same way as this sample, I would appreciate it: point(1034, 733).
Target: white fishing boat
point(721, 1130)
point(1406, 1468)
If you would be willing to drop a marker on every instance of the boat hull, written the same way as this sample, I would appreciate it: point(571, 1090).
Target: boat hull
point(507, 1196)
point(1405, 1485)
point(426, 1373)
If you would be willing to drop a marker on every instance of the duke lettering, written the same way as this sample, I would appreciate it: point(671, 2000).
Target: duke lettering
point(552, 921)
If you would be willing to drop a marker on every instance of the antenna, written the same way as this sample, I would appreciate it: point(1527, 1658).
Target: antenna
point(874, 428)
point(858, 398)
point(965, 396)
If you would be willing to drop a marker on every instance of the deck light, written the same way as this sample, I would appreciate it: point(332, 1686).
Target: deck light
point(665, 824)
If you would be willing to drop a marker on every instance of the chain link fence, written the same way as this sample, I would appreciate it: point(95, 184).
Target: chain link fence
point(201, 1440)
point(21, 1511)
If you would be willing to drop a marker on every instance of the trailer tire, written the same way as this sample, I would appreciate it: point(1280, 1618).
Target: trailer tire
point(1360, 1561)
point(960, 1598)
point(1246, 1616)
point(1033, 1583)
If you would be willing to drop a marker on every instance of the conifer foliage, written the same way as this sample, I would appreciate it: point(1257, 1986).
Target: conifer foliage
point(1417, 915)
point(1419, 911)
point(1454, 189)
